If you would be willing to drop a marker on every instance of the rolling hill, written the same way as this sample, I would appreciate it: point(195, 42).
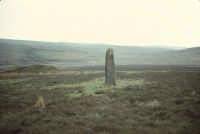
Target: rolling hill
point(60, 54)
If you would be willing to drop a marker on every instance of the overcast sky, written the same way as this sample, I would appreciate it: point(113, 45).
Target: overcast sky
point(128, 22)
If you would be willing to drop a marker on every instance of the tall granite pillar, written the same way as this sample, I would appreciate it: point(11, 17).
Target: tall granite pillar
point(110, 67)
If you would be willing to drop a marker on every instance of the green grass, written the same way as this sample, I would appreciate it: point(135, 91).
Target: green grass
point(154, 102)
point(90, 87)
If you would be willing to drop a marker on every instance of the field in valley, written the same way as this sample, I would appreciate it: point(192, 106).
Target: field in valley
point(147, 100)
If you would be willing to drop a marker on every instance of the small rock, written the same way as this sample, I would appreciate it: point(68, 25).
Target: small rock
point(99, 92)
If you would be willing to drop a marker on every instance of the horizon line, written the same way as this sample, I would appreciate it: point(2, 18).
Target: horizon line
point(101, 43)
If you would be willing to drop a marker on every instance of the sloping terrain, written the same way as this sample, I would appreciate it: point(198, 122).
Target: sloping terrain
point(19, 52)
point(187, 56)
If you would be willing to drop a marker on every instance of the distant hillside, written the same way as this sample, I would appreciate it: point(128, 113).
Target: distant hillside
point(188, 56)
point(21, 52)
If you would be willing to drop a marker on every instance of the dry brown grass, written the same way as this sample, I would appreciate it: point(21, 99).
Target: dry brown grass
point(40, 103)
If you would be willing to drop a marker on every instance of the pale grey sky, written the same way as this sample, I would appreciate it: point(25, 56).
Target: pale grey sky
point(128, 22)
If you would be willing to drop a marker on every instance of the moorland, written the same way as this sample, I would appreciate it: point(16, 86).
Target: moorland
point(148, 99)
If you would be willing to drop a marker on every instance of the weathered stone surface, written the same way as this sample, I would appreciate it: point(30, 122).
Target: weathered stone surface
point(110, 68)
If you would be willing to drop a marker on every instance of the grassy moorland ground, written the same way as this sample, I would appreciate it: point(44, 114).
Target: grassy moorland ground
point(146, 100)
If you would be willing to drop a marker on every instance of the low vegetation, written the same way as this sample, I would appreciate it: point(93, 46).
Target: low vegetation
point(33, 69)
point(145, 101)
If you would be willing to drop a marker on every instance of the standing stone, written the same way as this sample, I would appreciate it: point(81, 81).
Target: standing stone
point(110, 68)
